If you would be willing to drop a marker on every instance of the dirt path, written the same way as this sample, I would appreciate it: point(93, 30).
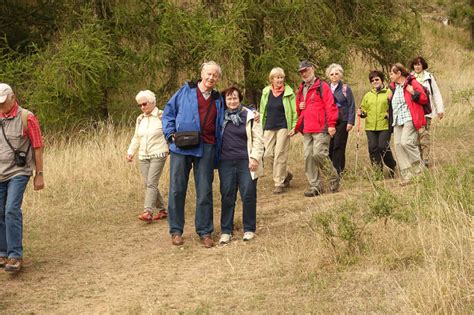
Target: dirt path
point(106, 261)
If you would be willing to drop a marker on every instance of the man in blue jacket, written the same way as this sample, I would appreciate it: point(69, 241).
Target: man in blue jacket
point(198, 108)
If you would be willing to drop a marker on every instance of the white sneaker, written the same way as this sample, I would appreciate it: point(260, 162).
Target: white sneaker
point(225, 239)
point(248, 236)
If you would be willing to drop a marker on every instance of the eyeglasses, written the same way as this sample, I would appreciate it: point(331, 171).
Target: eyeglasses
point(143, 104)
point(333, 74)
point(374, 80)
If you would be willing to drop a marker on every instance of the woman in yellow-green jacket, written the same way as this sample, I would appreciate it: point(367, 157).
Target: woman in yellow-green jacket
point(374, 108)
point(278, 111)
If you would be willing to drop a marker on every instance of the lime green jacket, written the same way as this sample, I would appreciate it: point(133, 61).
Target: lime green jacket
point(375, 105)
point(289, 103)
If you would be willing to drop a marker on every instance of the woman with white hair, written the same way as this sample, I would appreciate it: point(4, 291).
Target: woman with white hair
point(344, 100)
point(278, 111)
point(152, 148)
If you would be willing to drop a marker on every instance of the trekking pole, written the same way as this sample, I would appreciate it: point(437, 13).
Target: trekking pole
point(357, 142)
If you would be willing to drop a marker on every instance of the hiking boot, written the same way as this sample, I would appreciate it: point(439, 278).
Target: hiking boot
point(312, 192)
point(177, 239)
point(14, 264)
point(288, 179)
point(160, 215)
point(391, 173)
point(278, 190)
point(3, 262)
point(248, 236)
point(335, 184)
point(207, 241)
point(225, 238)
point(146, 216)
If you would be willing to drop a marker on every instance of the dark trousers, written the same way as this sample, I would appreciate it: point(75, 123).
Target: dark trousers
point(337, 146)
point(379, 149)
point(235, 175)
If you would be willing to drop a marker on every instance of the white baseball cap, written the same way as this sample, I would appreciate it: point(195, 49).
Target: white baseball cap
point(5, 90)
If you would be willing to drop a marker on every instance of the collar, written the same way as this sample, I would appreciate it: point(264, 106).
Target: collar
point(12, 113)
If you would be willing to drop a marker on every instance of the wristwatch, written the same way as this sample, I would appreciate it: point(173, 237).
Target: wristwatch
point(39, 173)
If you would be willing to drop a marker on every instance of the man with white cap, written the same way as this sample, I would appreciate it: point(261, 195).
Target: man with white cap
point(317, 117)
point(21, 151)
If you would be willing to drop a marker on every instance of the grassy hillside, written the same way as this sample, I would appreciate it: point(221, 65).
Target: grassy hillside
point(373, 247)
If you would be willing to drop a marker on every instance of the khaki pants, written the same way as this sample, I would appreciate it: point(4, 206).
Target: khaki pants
point(151, 170)
point(277, 146)
point(406, 148)
point(424, 141)
point(316, 159)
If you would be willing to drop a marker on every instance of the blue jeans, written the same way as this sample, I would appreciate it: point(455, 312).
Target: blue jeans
point(233, 175)
point(203, 167)
point(11, 218)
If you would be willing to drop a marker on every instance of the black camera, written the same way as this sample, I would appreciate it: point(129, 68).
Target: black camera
point(20, 158)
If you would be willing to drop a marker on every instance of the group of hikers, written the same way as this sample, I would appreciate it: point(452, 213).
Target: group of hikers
point(203, 129)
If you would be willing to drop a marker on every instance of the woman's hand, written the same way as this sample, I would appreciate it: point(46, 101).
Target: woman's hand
point(331, 131)
point(349, 127)
point(253, 165)
point(302, 105)
point(129, 157)
point(291, 133)
point(256, 116)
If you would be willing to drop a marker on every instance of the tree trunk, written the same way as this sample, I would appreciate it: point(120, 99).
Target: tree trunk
point(255, 38)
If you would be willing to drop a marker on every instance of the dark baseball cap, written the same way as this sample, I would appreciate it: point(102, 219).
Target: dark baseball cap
point(304, 64)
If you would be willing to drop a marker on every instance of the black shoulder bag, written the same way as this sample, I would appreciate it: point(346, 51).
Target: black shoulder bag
point(190, 139)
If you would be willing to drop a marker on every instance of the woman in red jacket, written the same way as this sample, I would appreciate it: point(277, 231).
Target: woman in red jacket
point(407, 99)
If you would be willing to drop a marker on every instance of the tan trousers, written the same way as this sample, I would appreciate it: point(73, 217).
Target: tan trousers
point(277, 146)
point(424, 141)
point(151, 171)
point(316, 159)
point(406, 148)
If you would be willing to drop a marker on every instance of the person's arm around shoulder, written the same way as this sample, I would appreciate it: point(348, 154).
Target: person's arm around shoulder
point(257, 150)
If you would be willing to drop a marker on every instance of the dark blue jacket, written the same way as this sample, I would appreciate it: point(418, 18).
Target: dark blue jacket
point(345, 104)
point(181, 114)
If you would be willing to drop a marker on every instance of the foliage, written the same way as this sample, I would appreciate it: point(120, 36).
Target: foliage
point(97, 54)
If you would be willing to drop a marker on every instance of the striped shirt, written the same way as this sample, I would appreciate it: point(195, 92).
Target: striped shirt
point(401, 112)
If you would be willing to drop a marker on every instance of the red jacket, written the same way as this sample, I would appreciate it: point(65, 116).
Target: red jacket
point(414, 101)
point(319, 114)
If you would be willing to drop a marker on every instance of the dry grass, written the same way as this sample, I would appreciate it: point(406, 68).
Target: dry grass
point(87, 253)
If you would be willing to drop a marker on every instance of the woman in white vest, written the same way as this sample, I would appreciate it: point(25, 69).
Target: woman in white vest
point(152, 148)
point(418, 67)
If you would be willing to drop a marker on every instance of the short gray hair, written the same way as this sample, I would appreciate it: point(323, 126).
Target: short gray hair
point(146, 94)
point(334, 66)
point(275, 72)
point(212, 63)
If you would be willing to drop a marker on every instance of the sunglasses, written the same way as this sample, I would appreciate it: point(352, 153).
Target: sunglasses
point(333, 74)
point(143, 104)
point(374, 80)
